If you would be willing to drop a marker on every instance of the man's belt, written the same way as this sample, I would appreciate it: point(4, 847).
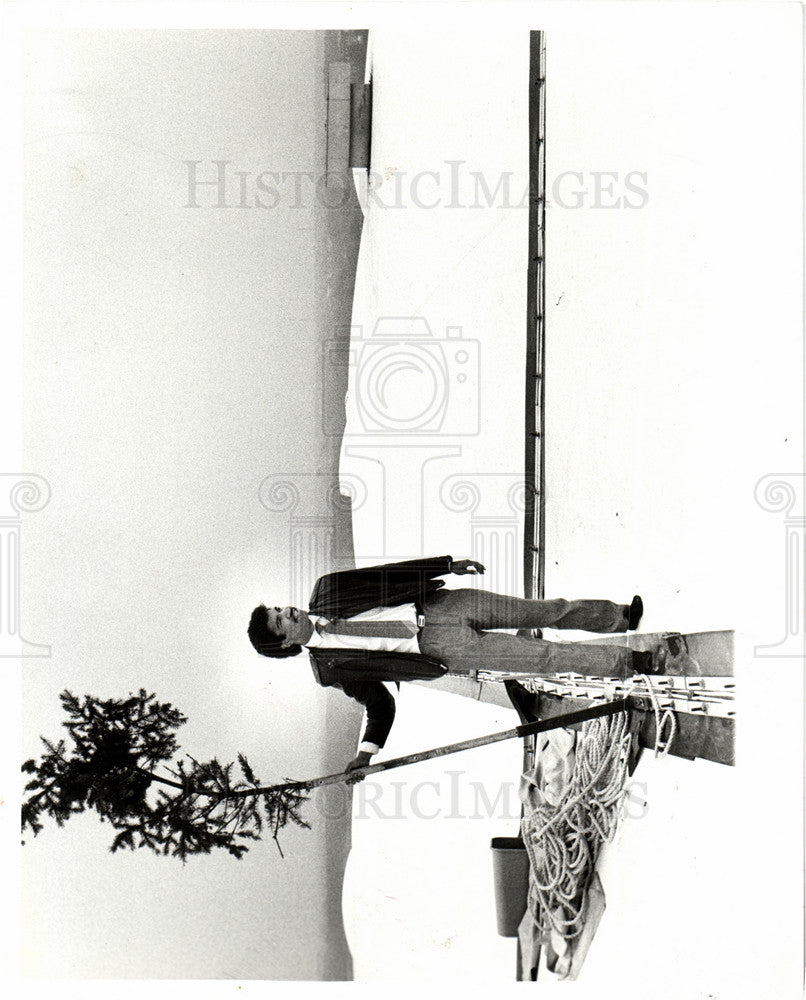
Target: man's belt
point(420, 614)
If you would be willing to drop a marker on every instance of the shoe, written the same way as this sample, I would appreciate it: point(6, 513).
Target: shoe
point(636, 613)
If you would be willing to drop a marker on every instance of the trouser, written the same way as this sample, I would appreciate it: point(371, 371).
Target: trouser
point(457, 623)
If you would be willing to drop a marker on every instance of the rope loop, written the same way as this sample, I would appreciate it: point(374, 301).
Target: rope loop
point(564, 841)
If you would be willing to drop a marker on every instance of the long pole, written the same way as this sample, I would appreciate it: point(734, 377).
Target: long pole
point(529, 729)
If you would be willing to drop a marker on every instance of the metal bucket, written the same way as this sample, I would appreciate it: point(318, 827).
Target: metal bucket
point(511, 881)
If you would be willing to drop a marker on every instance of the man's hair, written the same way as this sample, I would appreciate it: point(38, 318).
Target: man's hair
point(265, 640)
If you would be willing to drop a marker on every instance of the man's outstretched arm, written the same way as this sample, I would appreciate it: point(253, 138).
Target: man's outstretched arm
point(439, 566)
point(388, 574)
point(382, 576)
point(336, 592)
point(380, 708)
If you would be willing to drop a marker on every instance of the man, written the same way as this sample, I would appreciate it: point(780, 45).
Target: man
point(396, 623)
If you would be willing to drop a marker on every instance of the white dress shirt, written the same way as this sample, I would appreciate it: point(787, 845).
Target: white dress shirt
point(398, 613)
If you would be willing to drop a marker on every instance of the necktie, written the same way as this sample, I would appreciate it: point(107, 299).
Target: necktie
point(375, 630)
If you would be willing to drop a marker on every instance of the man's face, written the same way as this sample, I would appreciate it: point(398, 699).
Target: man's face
point(294, 625)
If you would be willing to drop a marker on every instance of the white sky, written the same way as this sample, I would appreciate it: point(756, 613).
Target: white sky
point(162, 370)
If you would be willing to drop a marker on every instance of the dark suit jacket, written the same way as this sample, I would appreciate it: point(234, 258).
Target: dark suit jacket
point(359, 672)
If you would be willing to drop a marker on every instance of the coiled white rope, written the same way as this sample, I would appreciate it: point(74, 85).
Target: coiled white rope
point(564, 840)
point(664, 718)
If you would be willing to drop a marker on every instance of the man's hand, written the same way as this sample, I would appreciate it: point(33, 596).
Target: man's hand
point(462, 567)
point(362, 759)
